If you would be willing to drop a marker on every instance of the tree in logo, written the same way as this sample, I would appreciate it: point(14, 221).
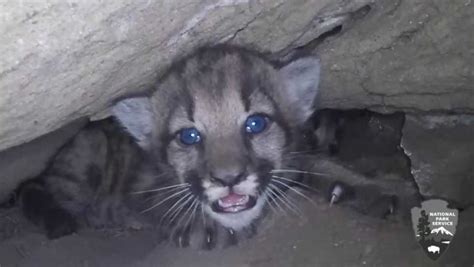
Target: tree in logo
point(423, 226)
point(434, 213)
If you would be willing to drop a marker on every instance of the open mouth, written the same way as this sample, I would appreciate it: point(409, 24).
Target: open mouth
point(233, 203)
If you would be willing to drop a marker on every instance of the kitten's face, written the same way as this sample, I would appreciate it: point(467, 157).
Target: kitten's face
point(224, 119)
point(226, 147)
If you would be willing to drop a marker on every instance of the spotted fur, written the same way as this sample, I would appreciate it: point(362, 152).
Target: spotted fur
point(133, 168)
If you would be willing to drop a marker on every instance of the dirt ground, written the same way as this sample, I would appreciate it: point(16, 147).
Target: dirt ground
point(335, 236)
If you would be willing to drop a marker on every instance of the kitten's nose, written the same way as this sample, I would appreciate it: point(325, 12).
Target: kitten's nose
point(228, 176)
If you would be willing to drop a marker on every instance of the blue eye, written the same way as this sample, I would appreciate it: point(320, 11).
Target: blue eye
point(189, 136)
point(256, 124)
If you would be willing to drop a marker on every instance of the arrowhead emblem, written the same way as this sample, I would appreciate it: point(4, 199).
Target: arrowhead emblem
point(435, 226)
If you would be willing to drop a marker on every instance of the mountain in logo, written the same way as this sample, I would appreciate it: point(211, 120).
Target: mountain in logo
point(441, 230)
point(434, 225)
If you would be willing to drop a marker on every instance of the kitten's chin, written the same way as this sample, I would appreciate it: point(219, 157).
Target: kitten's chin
point(238, 220)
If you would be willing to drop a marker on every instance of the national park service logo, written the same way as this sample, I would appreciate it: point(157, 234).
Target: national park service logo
point(435, 226)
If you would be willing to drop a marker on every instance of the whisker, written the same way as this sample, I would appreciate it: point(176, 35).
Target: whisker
point(161, 188)
point(305, 151)
point(186, 196)
point(282, 199)
point(287, 201)
point(274, 198)
point(177, 226)
point(296, 182)
point(186, 213)
point(296, 191)
point(178, 210)
point(269, 202)
point(164, 200)
point(297, 171)
point(160, 194)
point(191, 217)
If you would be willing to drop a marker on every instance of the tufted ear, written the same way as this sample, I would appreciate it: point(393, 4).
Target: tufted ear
point(301, 81)
point(136, 115)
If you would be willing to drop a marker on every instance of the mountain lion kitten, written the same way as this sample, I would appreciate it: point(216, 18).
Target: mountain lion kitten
point(197, 157)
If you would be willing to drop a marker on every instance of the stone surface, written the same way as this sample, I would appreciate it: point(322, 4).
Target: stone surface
point(28, 160)
point(62, 60)
point(403, 55)
point(441, 150)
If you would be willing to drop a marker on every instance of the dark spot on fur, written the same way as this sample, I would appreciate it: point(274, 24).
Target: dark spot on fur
point(94, 176)
point(40, 207)
point(64, 174)
point(59, 223)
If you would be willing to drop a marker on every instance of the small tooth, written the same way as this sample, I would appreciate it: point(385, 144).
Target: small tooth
point(333, 200)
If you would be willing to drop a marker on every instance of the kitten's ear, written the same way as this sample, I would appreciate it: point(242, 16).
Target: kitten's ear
point(136, 115)
point(301, 80)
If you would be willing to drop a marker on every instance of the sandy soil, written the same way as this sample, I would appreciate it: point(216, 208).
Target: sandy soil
point(326, 236)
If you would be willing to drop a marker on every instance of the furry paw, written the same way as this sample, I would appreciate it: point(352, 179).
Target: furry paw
point(209, 237)
point(338, 192)
point(369, 200)
point(202, 238)
point(181, 237)
point(383, 206)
